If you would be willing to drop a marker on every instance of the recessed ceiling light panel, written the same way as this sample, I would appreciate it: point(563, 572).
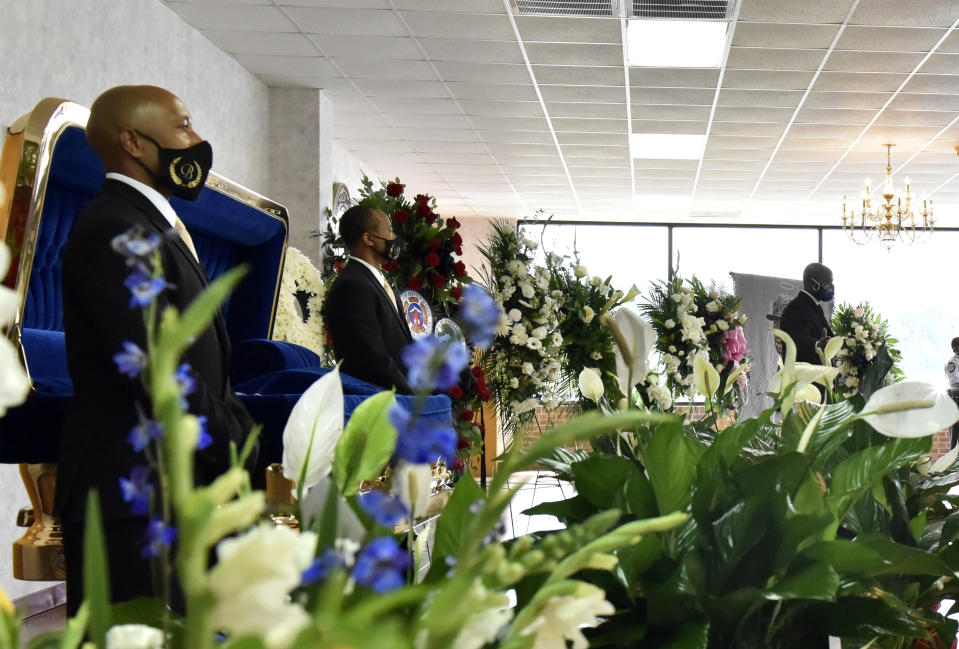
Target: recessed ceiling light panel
point(676, 43)
point(667, 146)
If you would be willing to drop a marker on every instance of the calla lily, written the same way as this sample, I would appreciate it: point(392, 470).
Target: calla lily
point(311, 433)
point(591, 384)
point(412, 485)
point(808, 393)
point(731, 379)
point(634, 340)
point(945, 461)
point(909, 409)
point(631, 294)
point(705, 376)
point(832, 348)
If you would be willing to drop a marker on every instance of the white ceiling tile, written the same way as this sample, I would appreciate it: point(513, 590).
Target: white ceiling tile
point(689, 96)
point(764, 58)
point(819, 144)
point(600, 139)
point(510, 123)
point(689, 165)
point(790, 11)
point(374, 146)
point(357, 133)
point(717, 165)
point(273, 43)
point(416, 106)
point(672, 112)
point(825, 130)
point(663, 126)
point(502, 108)
point(888, 39)
point(362, 22)
point(853, 81)
point(673, 174)
point(493, 91)
point(574, 54)
point(425, 146)
point(584, 93)
point(946, 84)
point(759, 98)
point(451, 49)
point(352, 105)
point(911, 101)
point(674, 77)
point(468, 6)
point(387, 69)
point(940, 63)
point(589, 125)
point(445, 157)
point(583, 109)
point(915, 13)
point(290, 66)
point(360, 119)
point(281, 81)
point(429, 121)
point(516, 137)
point(407, 89)
point(720, 153)
point(440, 135)
point(747, 128)
point(568, 29)
point(372, 47)
point(753, 34)
point(600, 172)
point(835, 116)
point(593, 150)
point(839, 99)
point(502, 148)
point(750, 114)
point(233, 17)
point(573, 75)
point(442, 24)
point(767, 79)
point(845, 61)
point(741, 142)
point(482, 72)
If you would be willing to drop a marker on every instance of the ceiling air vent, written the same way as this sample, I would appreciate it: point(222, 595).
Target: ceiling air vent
point(565, 8)
point(685, 9)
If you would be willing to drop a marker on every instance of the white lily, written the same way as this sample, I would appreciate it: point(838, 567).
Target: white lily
point(909, 409)
point(634, 341)
point(731, 379)
point(563, 617)
point(591, 384)
point(14, 384)
point(946, 461)
point(705, 376)
point(832, 348)
point(493, 612)
point(311, 432)
point(412, 485)
point(134, 636)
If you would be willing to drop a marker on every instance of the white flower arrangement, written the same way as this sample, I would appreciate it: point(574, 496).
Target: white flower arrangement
point(864, 334)
point(292, 325)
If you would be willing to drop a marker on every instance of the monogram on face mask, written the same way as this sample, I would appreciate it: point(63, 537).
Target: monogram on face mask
point(182, 171)
point(394, 247)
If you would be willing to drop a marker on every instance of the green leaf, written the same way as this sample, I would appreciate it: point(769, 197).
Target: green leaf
point(609, 481)
point(201, 311)
point(817, 580)
point(876, 374)
point(691, 635)
point(904, 560)
point(571, 510)
point(671, 459)
point(849, 558)
point(859, 472)
point(366, 444)
point(96, 573)
point(452, 523)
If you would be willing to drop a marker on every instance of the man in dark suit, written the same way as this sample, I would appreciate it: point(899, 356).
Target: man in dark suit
point(803, 318)
point(145, 138)
point(362, 311)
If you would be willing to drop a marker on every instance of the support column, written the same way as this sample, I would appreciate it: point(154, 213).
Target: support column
point(300, 176)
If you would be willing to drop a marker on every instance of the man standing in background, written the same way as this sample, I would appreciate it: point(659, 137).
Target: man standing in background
point(952, 373)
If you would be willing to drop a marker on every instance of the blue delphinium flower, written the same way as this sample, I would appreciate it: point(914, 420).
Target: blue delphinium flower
point(387, 510)
point(159, 536)
point(321, 567)
point(135, 244)
point(143, 287)
point(131, 360)
point(185, 381)
point(204, 439)
point(434, 363)
point(144, 432)
point(381, 565)
point(480, 314)
point(136, 490)
point(421, 442)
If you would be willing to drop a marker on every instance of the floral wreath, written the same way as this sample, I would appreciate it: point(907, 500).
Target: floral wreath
point(298, 318)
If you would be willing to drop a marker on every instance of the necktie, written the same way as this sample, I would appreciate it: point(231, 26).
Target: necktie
point(185, 235)
point(389, 292)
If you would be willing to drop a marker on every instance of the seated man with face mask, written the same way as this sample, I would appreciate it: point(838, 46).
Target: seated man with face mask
point(144, 136)
point(362, 312)
point(803, 318)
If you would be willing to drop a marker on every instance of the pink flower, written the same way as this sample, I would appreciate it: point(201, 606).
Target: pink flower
point(734, 346)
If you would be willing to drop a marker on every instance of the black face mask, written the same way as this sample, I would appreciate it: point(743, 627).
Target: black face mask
point(394, 247)
point(182, 171)
point(823, 293)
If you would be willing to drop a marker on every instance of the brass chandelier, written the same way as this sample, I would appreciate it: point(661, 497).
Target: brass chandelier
point(893, 218)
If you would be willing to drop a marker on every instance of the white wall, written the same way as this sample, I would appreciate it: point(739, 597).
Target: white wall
point(77, 48)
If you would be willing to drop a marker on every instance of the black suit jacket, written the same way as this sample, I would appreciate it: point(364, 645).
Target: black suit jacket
point(368, 332)
point(97, 316)
point(804, 320)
